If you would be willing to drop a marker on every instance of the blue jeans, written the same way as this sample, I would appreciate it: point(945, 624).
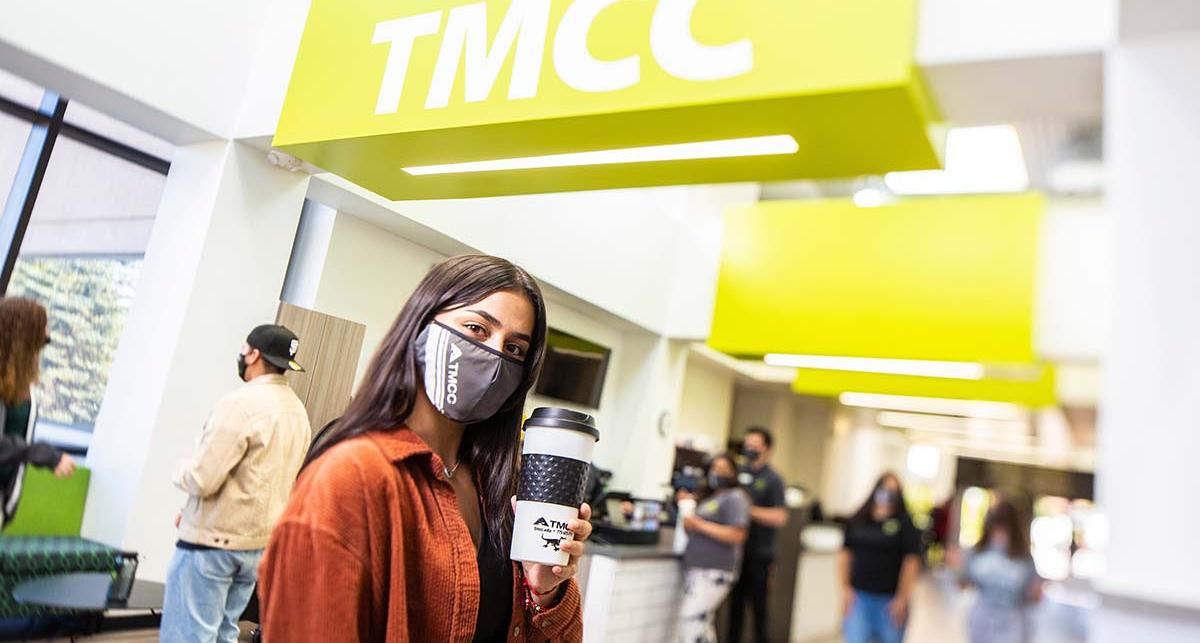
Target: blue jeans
point(869, 620)
point(207, 591)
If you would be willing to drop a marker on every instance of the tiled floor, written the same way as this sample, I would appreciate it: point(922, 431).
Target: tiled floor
point(140, 636)
point(939, 614)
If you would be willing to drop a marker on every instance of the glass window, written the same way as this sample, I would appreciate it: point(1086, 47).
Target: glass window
point(14, 133)
point(81, 257)
point(84, 117)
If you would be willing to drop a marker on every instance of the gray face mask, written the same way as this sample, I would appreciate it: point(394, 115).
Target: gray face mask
point(466, 381)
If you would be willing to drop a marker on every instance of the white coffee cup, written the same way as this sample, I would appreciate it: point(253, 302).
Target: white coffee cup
point(556, 457)
point(687, 507)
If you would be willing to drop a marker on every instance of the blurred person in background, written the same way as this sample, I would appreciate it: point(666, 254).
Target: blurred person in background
point(1002, 568)
point(716, 532)
point(767, 516)
point(878, 566)
point(24, 332)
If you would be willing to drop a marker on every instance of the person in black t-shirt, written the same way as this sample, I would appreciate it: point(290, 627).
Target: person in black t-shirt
point(767, 515)
point(878, 566)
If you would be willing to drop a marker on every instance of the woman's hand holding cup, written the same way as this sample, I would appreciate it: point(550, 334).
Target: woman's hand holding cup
point(545, 578)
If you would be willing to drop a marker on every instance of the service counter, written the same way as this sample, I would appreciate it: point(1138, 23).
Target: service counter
point(631, 593)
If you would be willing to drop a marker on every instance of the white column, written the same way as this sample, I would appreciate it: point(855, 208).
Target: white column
point(639, 443)
point(214, 269)
point(1149, 434)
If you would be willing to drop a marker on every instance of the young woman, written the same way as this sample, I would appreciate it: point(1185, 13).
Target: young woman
point(23, 334)
point(715, 536)
point(398, 528)
point(878, 566)
point(1002, 568)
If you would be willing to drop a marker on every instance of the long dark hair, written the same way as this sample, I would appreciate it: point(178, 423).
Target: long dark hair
point(389, 387)
point(864, 512)
point(1005, 514)
point(707, 491)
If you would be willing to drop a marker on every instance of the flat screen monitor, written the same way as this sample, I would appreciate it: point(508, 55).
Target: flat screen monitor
point(574, 369)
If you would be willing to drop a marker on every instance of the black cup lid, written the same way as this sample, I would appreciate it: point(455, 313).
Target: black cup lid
point(559, 418)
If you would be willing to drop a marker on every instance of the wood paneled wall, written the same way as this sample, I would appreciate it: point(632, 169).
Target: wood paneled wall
point(329, 350)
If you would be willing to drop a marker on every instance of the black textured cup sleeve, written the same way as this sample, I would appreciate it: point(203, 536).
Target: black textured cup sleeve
point(552, 479)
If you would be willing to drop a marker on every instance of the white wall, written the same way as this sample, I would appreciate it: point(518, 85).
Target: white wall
point(213, 270)
point(801, 427)
point(649, 255)
point(706, 405)
point(367, 276)
point(179, 69)
point(367, 273)
point(276, 45)
point(858, 453)
point(956, 31)
point(641, 451)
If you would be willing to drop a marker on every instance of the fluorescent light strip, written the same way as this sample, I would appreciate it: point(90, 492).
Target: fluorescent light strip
point(935, 405)
point(952, 370)
point(728, 148)
point(975, 445)
point(921, 435)
point(962, 427)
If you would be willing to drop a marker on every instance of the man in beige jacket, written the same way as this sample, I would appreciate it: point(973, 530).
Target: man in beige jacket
point(237, 485)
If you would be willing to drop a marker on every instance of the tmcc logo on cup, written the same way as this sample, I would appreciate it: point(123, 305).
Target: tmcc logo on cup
point(552, 532)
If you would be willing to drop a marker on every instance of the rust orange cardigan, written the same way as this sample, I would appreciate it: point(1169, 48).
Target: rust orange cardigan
point(372, 547)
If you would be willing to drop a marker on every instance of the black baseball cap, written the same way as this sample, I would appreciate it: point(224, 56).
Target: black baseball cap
point(277, 344)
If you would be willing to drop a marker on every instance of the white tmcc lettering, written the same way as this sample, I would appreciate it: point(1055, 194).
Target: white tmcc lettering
point(522, 35)
point(676, 49)
point(465, 40)
point(575, 64)
point(401, 33)
point(452, 384)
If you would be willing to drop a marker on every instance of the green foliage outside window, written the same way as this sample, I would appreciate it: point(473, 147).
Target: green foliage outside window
point(87, 299)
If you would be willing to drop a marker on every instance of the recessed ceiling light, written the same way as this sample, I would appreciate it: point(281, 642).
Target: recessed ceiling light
point(923, 368)
point(727, 148)
point(978, 160)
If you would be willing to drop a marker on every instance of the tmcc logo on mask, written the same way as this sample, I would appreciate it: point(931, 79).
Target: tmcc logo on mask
point(452, 375)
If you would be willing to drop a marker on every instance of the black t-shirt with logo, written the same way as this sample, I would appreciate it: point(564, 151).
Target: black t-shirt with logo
point(766, 490)
point(878, 550)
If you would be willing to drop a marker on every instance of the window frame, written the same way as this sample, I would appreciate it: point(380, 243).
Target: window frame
point(47, 125)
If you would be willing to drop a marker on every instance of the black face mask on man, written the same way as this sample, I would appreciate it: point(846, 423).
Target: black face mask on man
point(466, 381)
point(241, 366)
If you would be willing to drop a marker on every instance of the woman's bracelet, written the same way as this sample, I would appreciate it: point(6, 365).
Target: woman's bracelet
point(532, 594)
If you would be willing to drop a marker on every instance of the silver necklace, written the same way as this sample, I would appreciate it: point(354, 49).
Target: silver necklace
point(449, 471)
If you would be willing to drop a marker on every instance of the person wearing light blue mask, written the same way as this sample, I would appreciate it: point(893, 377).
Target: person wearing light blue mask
point(1001, 567)
point(878, 566)
point(716, 533)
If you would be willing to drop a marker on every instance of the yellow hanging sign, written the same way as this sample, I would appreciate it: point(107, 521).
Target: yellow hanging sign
point(399, 96)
